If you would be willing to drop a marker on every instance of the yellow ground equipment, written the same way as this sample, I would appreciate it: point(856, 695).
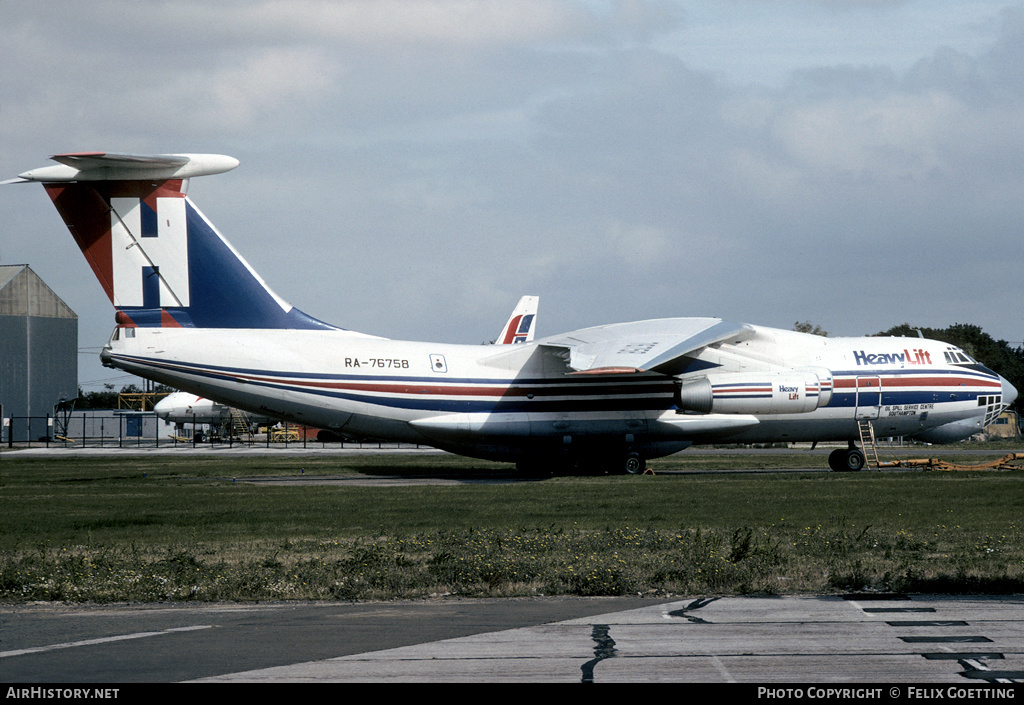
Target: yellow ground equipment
point(1013, 461)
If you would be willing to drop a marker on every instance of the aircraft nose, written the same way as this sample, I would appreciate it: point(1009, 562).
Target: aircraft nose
point(1009, 391)
point(163, 407)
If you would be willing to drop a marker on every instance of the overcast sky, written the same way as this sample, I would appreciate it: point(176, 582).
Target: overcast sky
point(410, 169)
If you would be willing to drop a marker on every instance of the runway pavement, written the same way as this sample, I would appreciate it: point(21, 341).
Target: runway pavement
point(733, 640)
point(957, 641)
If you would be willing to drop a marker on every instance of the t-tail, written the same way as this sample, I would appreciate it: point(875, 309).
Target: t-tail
point(160, 261)
point(520, 326)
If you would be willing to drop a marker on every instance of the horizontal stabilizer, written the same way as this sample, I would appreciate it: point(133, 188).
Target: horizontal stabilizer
point(110, 166)
point(92, 160)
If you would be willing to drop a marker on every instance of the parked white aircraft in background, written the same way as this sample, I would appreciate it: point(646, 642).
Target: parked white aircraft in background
point(181, 408)
point(192, 314)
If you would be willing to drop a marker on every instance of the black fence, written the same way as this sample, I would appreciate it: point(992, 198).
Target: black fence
point(107, 429)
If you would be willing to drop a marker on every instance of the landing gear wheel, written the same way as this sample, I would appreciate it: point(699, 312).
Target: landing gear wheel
point(843, 460)
point(835, 460)
point(634, 464)
point(855, 460)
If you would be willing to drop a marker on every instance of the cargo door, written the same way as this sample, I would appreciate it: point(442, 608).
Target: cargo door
point(869, 397)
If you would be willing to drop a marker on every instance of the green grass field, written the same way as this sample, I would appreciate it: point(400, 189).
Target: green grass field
point(145, 528)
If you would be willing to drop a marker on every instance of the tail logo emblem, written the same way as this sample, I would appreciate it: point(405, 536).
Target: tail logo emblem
point(149, 252)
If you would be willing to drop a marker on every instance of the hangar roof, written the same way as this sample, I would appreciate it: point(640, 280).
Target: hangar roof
point(23, 293)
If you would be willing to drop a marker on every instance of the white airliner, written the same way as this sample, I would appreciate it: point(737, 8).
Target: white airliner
point(192, 314)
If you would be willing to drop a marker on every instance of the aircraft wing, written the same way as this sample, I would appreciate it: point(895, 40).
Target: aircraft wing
point(642, 346)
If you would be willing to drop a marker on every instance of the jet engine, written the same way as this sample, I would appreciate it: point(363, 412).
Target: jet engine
point(789, 392)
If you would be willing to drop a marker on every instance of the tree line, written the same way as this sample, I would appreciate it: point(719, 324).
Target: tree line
point(107, 399)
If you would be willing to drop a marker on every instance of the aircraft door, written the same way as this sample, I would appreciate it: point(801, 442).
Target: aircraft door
point(869, 397)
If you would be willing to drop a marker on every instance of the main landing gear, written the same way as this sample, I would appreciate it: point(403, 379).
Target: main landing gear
point(849, 459)
point(612, 464)
point(634, 464)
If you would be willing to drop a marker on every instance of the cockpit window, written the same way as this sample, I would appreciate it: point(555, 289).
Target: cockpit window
point(957, 357)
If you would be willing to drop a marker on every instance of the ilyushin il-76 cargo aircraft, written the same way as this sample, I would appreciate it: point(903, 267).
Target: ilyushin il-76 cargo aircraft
point(192, 314)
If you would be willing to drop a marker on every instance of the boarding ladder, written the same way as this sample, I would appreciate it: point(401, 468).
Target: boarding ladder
point(867, 439)
point(240, 426)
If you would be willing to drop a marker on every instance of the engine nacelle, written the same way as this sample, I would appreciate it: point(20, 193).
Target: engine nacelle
point(790, 392)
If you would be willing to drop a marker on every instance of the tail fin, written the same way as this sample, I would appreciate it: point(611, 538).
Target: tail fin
point(160, 261)
point(520, 328)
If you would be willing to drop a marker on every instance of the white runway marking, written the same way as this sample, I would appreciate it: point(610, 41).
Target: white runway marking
point(102, 640)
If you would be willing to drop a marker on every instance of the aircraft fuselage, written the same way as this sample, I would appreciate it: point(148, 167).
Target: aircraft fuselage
point(515, 402)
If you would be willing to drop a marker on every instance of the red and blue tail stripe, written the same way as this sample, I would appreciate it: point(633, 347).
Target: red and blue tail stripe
point(162, 263)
